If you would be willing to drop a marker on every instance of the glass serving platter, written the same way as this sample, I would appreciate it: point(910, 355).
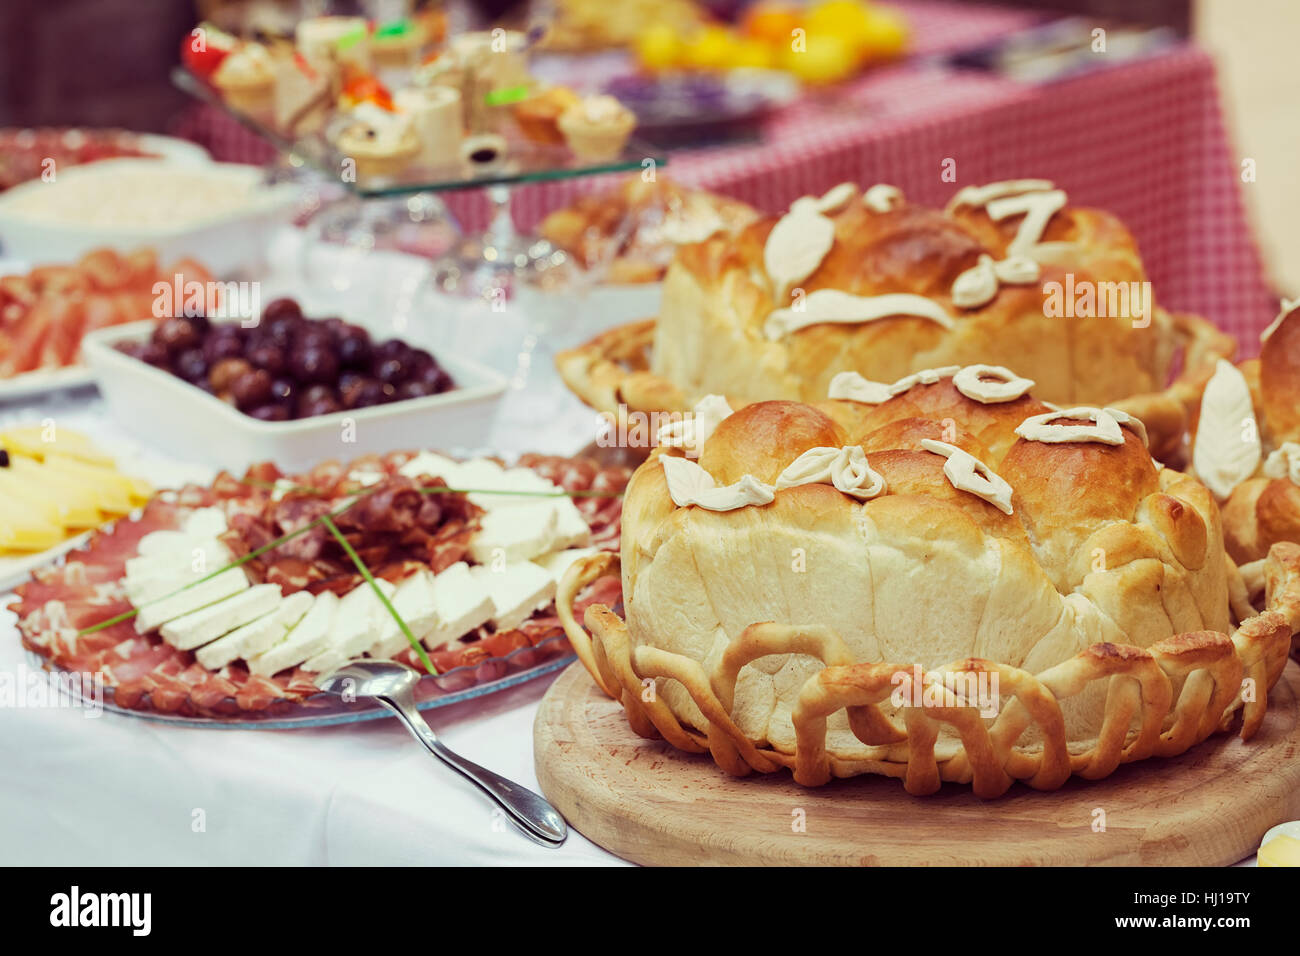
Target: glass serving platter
point(524, 162)
point(325, 710)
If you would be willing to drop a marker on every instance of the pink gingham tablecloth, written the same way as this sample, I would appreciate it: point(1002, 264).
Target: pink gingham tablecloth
point(1145, 140)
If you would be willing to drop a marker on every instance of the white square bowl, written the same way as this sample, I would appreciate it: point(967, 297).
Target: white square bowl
point(226, 241)
point(186, 422)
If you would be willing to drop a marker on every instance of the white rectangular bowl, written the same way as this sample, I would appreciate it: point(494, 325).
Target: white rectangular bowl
point(186, 422)
point(224, 243)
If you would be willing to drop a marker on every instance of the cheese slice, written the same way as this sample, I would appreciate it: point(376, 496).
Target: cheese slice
point(32, 495)
point(517, 590)
point(354, 628)
point(23, 529)
point(74, 512)
point(205, 522)
point(256, 636)
point(416, 603)
point(571, 528)
point(305, 640)
point(116, 493)
point(82, 499)
point(216, 588)
point(558, 562)
point(211, 622)
point(461, 604)
point(196, 556)
point(431, 465)
point(31, 441)
point(163, 542)
point(514, 534)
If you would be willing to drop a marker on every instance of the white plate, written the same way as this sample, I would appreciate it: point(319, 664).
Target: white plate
point(224, 241)
point(170, 413)
point(44, 381)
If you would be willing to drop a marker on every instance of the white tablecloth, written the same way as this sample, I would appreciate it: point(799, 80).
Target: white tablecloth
point(127, 791)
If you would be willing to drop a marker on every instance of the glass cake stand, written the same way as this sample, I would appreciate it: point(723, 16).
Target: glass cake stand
point(490, 264)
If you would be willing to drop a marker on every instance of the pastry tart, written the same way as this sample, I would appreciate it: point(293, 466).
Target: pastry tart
point(1246, 446)
point(942, 579)
point(1009, 274)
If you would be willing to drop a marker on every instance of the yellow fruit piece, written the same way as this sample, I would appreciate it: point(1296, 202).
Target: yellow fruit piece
point(35, 441)
point(845, 19)
point(81, 502)
point(886, 34)
point(752, 54)
point(22, 529)
point(827, 59)
point(710, 49)
point(772, 23)
point(1282, 850)
point(659, 47)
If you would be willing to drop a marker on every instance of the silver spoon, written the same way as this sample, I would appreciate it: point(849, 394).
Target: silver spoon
point(393, 686)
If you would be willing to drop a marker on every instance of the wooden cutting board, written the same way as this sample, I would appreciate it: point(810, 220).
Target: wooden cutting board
point(652, 804)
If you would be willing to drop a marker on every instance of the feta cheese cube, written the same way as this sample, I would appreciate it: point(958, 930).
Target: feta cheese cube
point(256, 636)
point(514, 534)
point(308, 638)
point(217, 588)
point(517, 590)
point(461, 604)
point(211, 622)
point(414, 601)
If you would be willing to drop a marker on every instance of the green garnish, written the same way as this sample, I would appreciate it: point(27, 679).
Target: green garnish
point(506, 95)
point(370, 579)
point(398, 28)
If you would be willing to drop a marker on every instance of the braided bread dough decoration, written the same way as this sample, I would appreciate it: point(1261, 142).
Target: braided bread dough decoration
point(802, 633)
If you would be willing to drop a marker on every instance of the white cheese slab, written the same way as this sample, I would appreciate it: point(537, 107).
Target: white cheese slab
point(558, 562)
point(306, 640)
point(206, 552)
point(516, 534)
point(209, 623)
point(571, 528)
point(163, 542)
point(356, 623)
point(255, 636)
point(205, 522)
point(462, 604)
point(217, 588)
point(516, 590)
point(428, 464)
point(415, 601)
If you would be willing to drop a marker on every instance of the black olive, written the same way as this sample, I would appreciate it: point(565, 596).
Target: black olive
point(4, 458)
point(483, 155)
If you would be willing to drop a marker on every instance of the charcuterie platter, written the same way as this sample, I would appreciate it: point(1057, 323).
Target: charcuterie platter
point(219, 605)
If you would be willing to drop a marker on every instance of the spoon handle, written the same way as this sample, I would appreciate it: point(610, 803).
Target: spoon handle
point(530, 812)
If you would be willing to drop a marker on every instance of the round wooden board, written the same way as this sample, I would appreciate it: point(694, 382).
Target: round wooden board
point(652, 804)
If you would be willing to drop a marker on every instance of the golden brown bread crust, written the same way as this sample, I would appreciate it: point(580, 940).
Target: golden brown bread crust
point(717, 296)
point(1279, 380)
point(1262, 511)
point(774, 634)
point(761, 439)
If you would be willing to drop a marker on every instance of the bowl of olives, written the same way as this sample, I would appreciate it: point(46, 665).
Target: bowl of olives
point(289, 388)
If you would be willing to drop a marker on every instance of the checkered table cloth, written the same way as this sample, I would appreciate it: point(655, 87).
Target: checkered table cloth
point(1144, 140)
